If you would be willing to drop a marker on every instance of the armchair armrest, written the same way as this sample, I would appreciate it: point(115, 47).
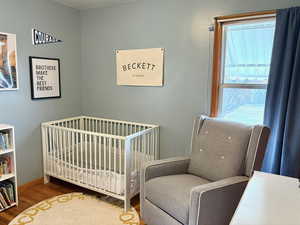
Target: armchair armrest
point(214, 203)
point(165, 167)
point(158, 168)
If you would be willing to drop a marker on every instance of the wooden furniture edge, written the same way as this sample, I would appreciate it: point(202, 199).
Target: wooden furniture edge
point(247, 14)
point(217, 50)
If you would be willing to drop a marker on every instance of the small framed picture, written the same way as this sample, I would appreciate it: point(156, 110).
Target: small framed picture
point(45, 77)
point(8, 62)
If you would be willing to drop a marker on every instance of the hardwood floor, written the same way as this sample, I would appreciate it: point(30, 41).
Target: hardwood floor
point(31, 194)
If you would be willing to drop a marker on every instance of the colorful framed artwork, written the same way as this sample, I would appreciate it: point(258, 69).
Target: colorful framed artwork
point(8, 62)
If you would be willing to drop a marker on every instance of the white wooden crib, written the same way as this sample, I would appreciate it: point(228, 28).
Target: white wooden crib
point(99, 154)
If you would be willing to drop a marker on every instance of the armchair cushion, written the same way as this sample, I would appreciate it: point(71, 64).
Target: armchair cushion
point(172, 194)
point(219, 149)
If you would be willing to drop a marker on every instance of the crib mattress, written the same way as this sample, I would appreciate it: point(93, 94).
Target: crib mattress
point(103, 179)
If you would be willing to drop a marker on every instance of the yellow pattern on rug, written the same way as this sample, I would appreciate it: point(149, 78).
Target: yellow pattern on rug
point(76, 208)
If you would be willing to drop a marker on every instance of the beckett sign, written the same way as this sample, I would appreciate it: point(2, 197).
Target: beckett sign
point(140, 67)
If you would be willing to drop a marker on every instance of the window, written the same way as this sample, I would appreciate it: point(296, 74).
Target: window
point(242, 57)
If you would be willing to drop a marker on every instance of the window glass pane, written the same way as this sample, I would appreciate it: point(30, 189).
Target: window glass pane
point(248, 50)
point(243, 105)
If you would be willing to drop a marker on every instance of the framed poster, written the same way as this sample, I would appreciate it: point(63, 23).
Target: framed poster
point(45, 77)
point(8, 62)
point(140, 67)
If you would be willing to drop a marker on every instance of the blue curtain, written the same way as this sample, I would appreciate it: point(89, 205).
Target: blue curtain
point(282, 112)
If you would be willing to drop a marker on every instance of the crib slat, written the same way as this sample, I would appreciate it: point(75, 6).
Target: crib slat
point(104, 160)
point(86, 158)
point(90, 164)
point(100, 161)
point(81, 157)
point(64, 160)
point(93, 125)
point(140, 138)
point(57, 147)
point(56, 150)
point(144, 148)
point(130, 129)
point(51, 150)
point(65, 153)
point(95, 160)
point(45, 151)
point(77, 154)
point(120, 151)
point(152, 145)
point(135, 149)
point(149, 146)
point(73, 151)
point(109, 162)
point(59, 135)
point(46, 140)
point(69, 149)
point(115, 163)
point(127, 174)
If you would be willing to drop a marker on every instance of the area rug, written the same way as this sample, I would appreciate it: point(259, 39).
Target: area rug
point(77, 208)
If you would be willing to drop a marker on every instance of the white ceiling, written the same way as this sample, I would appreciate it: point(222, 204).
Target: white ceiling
point(88, 4)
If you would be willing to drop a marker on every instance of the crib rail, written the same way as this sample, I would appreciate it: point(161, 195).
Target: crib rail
point(100, 154)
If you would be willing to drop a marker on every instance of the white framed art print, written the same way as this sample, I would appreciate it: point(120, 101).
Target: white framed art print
point(45, 77)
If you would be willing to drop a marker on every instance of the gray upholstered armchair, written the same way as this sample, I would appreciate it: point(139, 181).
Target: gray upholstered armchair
point(205, 188)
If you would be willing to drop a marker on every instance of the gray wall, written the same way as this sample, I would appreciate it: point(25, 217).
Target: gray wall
point(16, 107)
point(179, 26)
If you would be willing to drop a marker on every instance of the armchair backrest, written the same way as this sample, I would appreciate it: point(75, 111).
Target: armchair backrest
point(222, 149)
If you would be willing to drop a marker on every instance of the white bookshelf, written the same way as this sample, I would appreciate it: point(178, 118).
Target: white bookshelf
point(9, 151)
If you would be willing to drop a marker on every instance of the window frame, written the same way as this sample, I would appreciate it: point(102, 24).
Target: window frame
point(218, 54)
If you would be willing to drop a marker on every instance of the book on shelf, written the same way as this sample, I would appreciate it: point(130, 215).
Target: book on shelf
point(5, 165)
point(4, 141)
point(7, 195)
